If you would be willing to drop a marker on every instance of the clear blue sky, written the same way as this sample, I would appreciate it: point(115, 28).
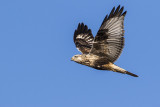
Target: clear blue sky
point(36, 45)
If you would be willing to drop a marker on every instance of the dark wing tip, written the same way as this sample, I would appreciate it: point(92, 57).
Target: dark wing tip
point(115, 13)
point(124, 13)
point(82, 24)
point(129, 73)
point(82, 29)
point(112, 13)
point(118, 12)
point(89, 32)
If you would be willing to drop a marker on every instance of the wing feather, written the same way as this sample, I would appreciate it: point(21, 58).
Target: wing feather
point(83, 38)
point(109, 41)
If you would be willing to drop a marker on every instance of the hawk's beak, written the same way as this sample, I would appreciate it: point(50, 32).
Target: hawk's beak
point(72, 59)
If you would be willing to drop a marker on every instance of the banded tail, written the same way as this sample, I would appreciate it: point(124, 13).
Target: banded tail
point(116, 68)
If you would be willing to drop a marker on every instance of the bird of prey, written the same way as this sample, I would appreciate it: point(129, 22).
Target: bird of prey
point(102, 51)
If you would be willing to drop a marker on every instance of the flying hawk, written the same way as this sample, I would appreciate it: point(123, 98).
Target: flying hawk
point(102, 51)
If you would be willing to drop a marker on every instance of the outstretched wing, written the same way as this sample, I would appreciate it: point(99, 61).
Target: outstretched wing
point(83, 38)
point(109, 40)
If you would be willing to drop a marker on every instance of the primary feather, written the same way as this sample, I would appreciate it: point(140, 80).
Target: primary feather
point(83, 38)
point(109, 40)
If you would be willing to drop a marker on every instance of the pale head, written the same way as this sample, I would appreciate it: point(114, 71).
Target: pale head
point(77, 58)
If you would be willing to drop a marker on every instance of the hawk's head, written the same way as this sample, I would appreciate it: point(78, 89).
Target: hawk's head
point(77, 58)
point(82, 59)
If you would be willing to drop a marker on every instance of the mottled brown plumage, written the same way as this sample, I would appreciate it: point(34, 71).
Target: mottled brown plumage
point(103, 50)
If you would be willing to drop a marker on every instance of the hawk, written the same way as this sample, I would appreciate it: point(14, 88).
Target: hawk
point(102, 51)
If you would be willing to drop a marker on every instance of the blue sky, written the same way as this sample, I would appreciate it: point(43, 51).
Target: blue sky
point(36, 45)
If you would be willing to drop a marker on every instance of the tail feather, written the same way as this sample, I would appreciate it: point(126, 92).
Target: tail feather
point(125, 72)
point(129, 73)
point(116, 68)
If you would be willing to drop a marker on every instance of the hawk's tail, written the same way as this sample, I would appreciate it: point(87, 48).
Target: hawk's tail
point(121, 70)
point(116, 68)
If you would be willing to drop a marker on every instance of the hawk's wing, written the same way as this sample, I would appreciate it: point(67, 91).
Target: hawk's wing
point(83, 38)
point(109, 40)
